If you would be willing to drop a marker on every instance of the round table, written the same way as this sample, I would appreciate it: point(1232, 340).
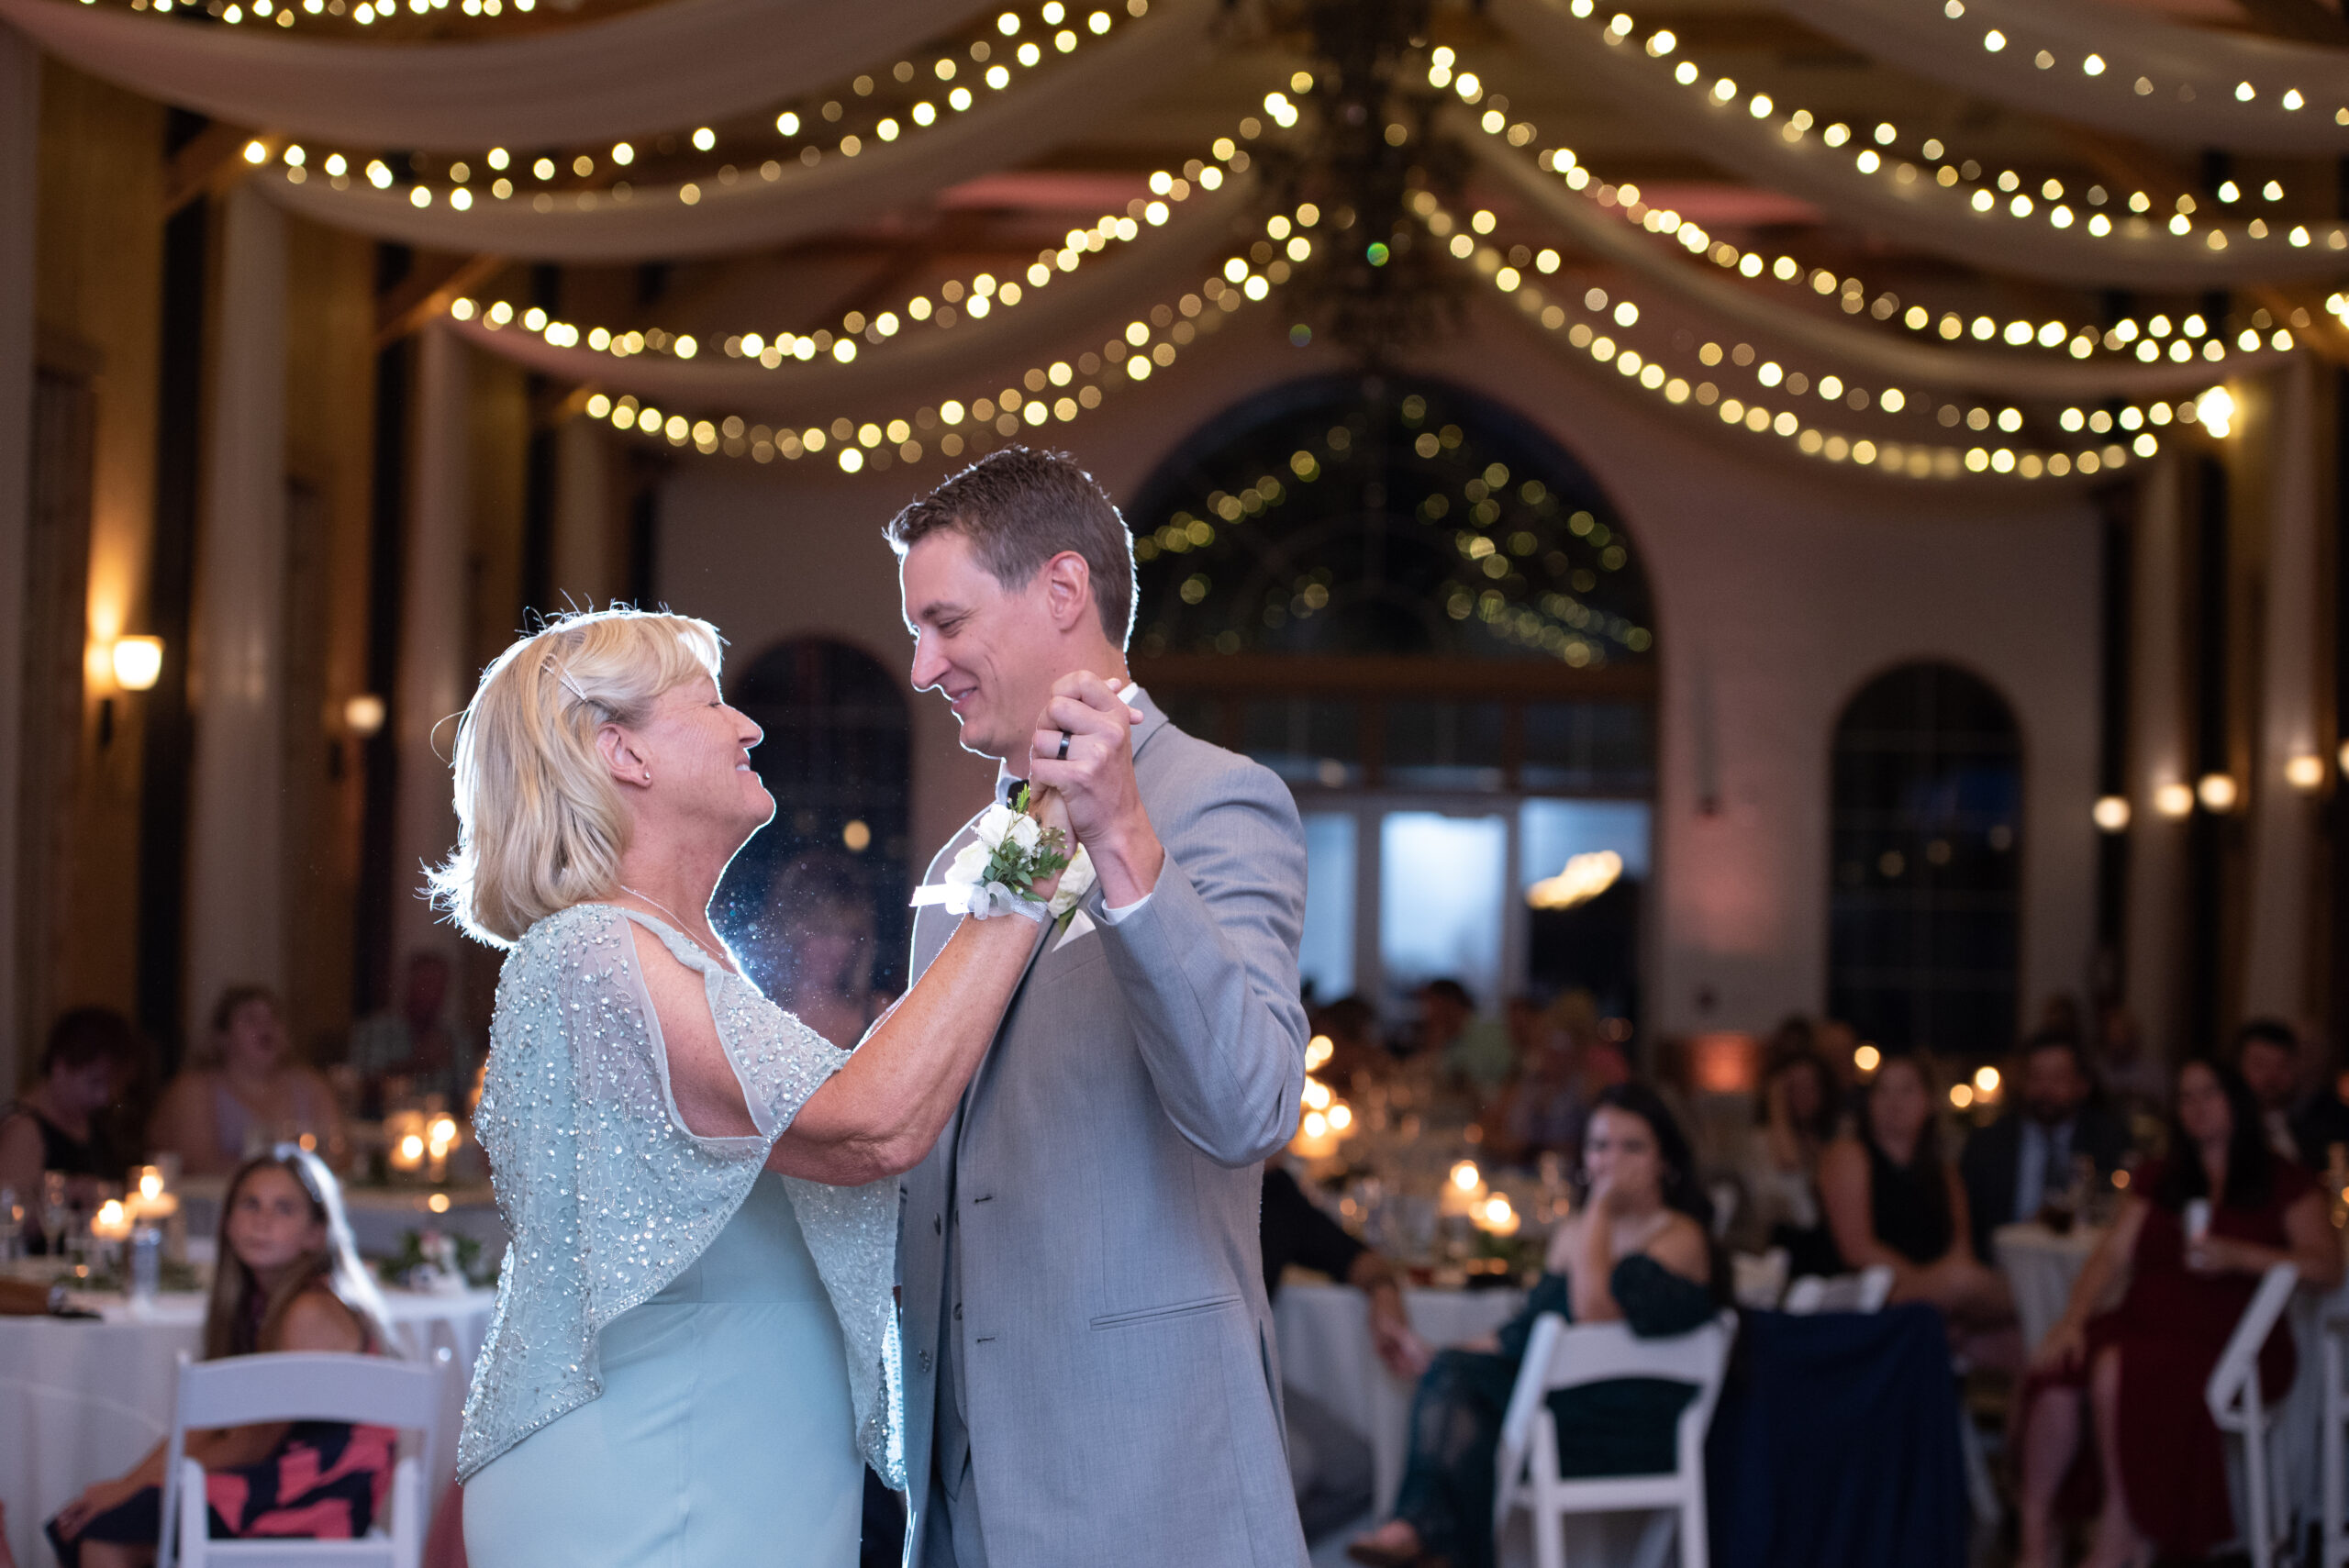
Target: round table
point(1326, 1353)
point(82, 1400)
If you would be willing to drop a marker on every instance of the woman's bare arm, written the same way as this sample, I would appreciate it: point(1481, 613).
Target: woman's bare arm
point(1851, 1211)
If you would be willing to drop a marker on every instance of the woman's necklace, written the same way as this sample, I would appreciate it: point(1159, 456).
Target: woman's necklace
point(683, 929)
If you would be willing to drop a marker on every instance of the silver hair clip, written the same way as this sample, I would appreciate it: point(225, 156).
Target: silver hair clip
point(568, 684)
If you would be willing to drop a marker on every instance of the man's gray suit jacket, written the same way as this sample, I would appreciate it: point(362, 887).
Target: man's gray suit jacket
point(1116, 1348)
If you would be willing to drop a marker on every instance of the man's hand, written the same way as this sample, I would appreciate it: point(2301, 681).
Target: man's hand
point(1096, 782)
point(1398, 1344)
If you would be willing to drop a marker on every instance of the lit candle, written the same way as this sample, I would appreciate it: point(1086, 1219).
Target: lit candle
point(1496, 1216)
point(1315, 1138)
point(112, 1222)
point(404, 1132)
point(440, 1136)
point(1463, 1189)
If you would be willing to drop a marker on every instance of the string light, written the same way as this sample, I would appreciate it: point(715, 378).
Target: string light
point(1062, 392)
point(847, 141)
point(2003, 199)
point(2288, 100)
point(314, 12)
point(2132, 430)
point(2147, 339)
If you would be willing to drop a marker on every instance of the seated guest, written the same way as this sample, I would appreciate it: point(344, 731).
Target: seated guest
point(1636, 1251)
point(2137, 1083)
point(1795, 1122)
point(2301, 1120)
point(811, 951)
point(1332, 1465)
point(420, 1040)
point(242, 1091)
point(289, 1279)
point(2144, 1364)
point(1892, 1198)
point(1358, 1057)
point(2026, 1158)
point(61, 1122)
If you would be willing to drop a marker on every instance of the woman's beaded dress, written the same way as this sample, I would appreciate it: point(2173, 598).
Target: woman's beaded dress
point(609, 1199)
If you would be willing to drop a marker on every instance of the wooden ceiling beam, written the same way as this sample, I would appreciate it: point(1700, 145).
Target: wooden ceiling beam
point(425, 291)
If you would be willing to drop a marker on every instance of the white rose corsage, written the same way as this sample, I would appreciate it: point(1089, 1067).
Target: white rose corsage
point(996, 873)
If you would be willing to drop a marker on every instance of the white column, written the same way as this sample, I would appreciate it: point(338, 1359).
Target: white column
point(237, 809)
point(584, 536)
point(19, 195)
point(2283, 828)
point(432, 684)
point(2160, 755)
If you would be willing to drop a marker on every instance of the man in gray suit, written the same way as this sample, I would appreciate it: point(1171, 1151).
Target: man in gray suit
point(1089, 1362)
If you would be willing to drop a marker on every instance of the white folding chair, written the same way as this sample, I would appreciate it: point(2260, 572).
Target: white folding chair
point(2235, 1404)
point(244, 1391)
point(1863, 1292)
point(1557, 1356)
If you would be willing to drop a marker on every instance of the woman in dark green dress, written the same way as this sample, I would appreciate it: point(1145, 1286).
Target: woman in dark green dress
point(1636, 1251)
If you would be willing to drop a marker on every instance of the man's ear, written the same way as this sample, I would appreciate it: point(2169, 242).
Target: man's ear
point(1068, 589)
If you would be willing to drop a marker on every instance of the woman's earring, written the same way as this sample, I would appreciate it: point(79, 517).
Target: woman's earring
point(648, 776)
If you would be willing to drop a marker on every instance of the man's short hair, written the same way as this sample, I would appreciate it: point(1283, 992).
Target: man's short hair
point(2064, 1040)
point(2266, 1031)
point(1020, 507)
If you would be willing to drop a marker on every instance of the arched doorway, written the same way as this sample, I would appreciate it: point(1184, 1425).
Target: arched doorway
point(1925, 906)
point(1425, 615)
point(836, 759)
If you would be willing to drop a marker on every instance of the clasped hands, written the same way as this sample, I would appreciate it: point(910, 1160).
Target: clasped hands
point(1081, 767)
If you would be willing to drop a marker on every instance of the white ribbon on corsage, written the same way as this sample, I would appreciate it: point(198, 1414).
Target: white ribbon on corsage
point(965, 890)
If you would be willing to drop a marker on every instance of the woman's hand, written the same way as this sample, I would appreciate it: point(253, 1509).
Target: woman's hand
point(99, 1497)
point(1051, 811)
point(2225, 1255)
point(2064, 1345)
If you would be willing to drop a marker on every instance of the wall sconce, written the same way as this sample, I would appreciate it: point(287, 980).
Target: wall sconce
point(2110, 813)
point(2217, 793)
point(137, 663)
point(2305, 772)
point(364, 715)
point(2173, 800)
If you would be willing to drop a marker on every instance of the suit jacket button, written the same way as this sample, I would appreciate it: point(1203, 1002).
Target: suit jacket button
point(924, 1359)
point(937, 1225)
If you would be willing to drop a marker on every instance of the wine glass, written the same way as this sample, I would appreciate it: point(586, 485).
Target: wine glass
point(56, 1210)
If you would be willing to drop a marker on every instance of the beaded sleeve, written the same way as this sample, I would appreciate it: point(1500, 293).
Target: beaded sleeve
point(607, 1197)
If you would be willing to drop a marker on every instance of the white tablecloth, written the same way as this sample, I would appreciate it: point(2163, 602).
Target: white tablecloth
point(2040, 1267)
point(80, 1401)
point(1324, 1334)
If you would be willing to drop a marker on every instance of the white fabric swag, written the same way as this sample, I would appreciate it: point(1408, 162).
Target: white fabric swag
point(2014, 374)
point(929, 361)
point(2193, 74)
point(1002, 131)
point(1923, 215)
point(685, 63)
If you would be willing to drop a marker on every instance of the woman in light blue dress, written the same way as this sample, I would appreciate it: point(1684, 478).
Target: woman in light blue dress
point(694, 1354)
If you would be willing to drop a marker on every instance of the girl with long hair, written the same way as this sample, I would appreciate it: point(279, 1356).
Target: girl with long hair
point(288, 1279)
point(1637, 1250)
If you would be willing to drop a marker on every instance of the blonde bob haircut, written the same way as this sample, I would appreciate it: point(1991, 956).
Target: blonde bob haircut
point(540, 826)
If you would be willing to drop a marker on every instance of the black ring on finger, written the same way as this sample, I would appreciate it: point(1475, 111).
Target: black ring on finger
point(1062, 755)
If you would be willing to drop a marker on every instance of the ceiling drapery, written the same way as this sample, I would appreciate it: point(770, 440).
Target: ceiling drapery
point(2015, 375)
point(1091, 301)
point(685, 63)
point(2209, 65)
point(755, 213)
point(1921, 215)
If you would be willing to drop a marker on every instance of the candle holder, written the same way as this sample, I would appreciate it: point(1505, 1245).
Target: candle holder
point(144, 1278)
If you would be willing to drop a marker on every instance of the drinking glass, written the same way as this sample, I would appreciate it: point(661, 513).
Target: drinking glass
point(56, 1210)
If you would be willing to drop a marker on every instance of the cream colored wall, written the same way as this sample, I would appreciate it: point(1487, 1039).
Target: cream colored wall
point(1782, 587)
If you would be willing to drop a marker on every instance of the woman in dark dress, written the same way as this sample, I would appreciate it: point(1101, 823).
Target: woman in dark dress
point(289, 1279)
point(63, 1121)
point(2144, 1365)
point(1893, 1199)
point(1636, 1251)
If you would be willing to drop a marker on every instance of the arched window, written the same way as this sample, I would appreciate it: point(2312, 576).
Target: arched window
point(1925, 909)
point(836, 758)
point(1425, 615)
